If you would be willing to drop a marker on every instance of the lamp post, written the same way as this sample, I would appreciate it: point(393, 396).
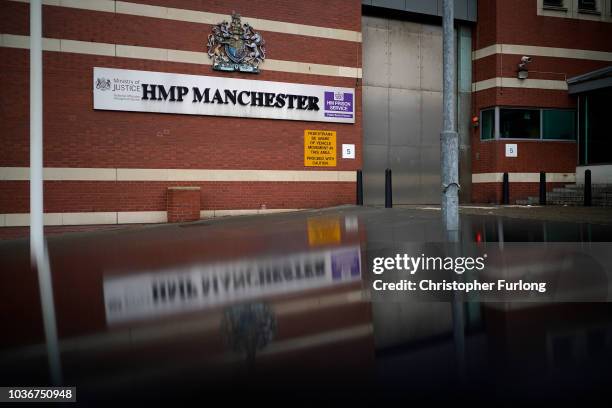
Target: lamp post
point(449, 139)
point(449, 152)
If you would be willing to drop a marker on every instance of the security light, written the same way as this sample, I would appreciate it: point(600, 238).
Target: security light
point(523, 73)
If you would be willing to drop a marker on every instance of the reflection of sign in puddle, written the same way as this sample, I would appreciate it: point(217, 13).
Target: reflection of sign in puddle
point(195, 287)
point(322, 231)
point(249, 328)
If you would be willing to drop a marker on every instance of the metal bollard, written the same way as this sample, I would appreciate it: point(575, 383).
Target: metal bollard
point(388, 189)
point(542, 188)
point(359, 188)
point(587, 189)
point(506, 190)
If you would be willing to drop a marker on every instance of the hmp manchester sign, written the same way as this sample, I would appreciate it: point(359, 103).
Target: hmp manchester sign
point(159, 92)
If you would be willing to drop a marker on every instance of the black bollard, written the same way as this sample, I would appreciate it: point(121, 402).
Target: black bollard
point(587, 189)
point(359, 188)
point(388, 189)
point(542, 188)
point(506, 190)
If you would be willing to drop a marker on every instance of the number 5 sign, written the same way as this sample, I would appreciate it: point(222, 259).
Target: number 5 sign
point(511, 150)
point(348, 151)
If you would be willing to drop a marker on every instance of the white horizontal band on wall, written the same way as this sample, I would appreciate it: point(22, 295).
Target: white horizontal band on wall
point(500, 82)
point(169, 55)
point(195, 175)
point(78, 218)
point(523, 177)
point(202, 17)
point(120, 217)
point(535, 51)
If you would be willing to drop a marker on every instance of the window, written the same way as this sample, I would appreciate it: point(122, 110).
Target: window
point(558, 124)
point(519, 123)
point(553, 3)
point(593, 10)
point(487, 128)
point(587, 5)
point(528, 123)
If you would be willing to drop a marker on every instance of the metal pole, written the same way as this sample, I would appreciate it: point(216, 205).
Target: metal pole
point(359, 200)
point(388, 189)
point(506, 189)
point(587, 188)
point(449, 152)
point(542, 188)
point(38, 251)
point(449, 139)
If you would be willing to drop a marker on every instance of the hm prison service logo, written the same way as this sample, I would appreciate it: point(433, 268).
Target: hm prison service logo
point(236, 47)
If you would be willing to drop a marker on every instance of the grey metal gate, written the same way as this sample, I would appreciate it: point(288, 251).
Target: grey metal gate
point(402, 107)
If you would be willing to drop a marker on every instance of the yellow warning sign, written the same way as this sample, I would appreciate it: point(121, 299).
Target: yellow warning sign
point(319, 148)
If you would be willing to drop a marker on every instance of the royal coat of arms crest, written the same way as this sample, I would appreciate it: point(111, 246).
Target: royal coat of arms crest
point(103, 84)
point(236, 47)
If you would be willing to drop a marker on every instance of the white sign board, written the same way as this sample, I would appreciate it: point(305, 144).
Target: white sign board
point(145, 91)
point(511, 150)
point(348, 151)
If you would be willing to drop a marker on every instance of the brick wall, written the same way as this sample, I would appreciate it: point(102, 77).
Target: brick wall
point(540, 67)
point(77, 136)
point(517, 22)
point(93, 196)
point(533, 157)
point(491, 193)
point(183, 203)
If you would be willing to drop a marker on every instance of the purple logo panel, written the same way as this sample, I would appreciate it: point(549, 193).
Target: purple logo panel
point(345, 265)
point(339, 105)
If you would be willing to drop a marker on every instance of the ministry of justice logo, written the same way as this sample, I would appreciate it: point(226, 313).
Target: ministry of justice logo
point(103, 84)
point(236, 47)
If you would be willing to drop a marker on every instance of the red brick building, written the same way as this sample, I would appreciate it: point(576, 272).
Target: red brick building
point(564, 39)
point(105, 166)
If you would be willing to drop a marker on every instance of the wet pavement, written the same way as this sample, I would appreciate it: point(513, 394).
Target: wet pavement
point(575, 214)
point(281, 308)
